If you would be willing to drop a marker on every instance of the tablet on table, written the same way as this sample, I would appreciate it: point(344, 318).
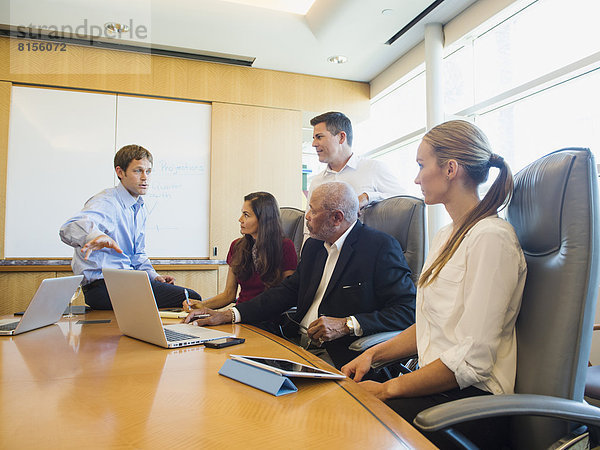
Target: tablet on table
point(286, 367)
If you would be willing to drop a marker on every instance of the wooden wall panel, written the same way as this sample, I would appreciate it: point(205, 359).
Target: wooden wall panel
point(17, 289)
point(204, 282)
point(134, 73)
point(222, 280)
point(253, 149)
point(4, 123)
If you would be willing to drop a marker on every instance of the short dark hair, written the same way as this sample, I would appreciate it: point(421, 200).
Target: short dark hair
point(130, 152)
point(335, 122)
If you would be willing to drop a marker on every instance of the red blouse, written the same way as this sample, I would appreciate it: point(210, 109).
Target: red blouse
point(253, 286)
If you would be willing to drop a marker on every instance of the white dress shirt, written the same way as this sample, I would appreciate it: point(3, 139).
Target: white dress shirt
point(467, 316)
point(333, 253)
point(371, 176)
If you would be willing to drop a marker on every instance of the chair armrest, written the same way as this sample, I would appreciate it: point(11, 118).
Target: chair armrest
point(363, 343)
point(409, 364)
point(467, 409)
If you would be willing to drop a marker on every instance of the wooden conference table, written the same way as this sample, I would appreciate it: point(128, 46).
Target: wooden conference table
point(76, 386)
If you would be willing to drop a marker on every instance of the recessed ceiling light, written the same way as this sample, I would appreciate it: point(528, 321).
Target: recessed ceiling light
point(116, 28)
point(338, 59)
point(387, 12)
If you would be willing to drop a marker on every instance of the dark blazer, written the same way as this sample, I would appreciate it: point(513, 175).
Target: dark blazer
point(371, 281)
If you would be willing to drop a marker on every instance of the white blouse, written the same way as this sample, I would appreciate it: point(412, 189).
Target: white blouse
point(467, 316)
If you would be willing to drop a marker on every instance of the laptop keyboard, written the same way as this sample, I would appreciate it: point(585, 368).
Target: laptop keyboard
point(9, 326)
point(174, 336)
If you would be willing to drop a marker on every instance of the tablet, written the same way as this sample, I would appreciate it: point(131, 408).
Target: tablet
point(286, 367)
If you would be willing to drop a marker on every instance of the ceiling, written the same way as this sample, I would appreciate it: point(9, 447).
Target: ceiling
point(263, 32)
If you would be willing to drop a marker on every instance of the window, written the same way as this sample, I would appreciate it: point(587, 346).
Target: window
point(542, 37)
point(402, 160)
point(395, 115)
point(458, 79)
point(566, 115)
point(530, 81)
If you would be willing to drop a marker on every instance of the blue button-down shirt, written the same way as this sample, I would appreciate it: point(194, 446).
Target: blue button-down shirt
point(116, 213)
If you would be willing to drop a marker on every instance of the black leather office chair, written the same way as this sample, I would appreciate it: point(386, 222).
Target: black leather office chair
point(402, 217)
point(555, 214)
point(292, 220)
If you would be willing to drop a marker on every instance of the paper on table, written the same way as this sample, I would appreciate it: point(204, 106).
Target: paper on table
point(173, 314)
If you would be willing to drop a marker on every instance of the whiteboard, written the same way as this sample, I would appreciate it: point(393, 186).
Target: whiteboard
point(61, 150)
point(178, 136)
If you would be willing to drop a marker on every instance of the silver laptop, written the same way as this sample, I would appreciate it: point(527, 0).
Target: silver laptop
point(46, 307)
point(137, 315)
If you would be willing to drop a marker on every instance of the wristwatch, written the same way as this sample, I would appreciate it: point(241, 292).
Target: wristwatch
point(350, 325)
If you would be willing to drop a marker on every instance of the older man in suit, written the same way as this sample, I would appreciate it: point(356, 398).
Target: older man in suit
point(351, 281)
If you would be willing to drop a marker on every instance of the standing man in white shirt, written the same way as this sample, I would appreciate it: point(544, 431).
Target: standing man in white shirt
point(372, 180)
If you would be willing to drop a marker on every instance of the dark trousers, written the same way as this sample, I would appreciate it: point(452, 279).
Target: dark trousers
point(485, 433)
point(166, 295)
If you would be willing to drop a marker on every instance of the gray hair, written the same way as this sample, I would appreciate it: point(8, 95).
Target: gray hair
point(339, 195)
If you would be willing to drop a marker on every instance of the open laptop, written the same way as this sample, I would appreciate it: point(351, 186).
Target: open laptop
point(137, 315)
point(46, 307)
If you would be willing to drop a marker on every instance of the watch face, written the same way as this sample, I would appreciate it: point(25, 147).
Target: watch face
point(350, 325)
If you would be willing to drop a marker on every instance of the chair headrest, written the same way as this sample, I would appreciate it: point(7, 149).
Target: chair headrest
point(533, 211)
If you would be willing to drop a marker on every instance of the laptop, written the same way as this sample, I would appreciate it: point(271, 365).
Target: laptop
point(46, 307)
point(137, 315)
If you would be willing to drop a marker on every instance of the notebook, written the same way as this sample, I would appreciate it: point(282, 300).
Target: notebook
point(46, 306)
point(137, 315)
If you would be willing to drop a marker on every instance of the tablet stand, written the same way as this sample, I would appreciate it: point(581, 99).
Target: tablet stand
point(262, 379)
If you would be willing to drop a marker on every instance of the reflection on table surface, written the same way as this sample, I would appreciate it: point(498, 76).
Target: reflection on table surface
point(71, 385)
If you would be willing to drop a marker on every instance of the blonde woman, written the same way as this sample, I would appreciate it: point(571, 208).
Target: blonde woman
point(469, 293)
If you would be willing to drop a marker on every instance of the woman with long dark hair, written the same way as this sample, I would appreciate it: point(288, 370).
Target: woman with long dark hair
point(258, 260)
point(470, 289)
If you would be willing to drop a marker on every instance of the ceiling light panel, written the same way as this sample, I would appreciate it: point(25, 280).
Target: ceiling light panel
point(289, 6)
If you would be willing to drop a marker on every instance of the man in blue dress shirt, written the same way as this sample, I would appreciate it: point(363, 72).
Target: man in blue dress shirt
point(110, 232)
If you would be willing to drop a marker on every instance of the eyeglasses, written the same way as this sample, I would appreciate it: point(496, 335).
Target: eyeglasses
point(287, 314)
point(309, 340)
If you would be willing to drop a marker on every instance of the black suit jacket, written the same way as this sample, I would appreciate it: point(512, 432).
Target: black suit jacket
point(371, 281)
